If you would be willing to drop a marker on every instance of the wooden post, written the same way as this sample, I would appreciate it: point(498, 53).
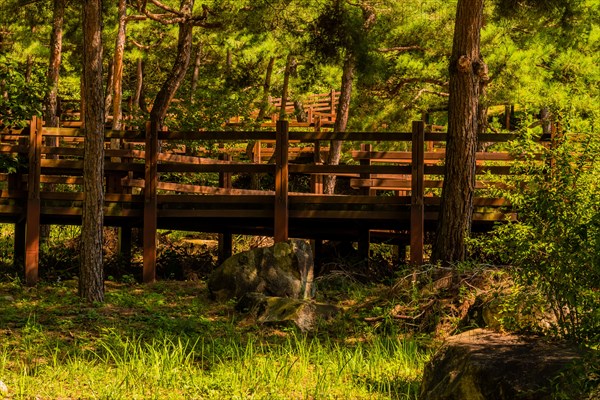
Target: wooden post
point(225, 238)
point(32, 224)
point(417, 210)
point(365, 236)
point(316, 180)
point(366, 191)
point(333, 109)
point(125, 232)
point(256, 152)
point(150, 202)
point(225, 177)
point(281, 182)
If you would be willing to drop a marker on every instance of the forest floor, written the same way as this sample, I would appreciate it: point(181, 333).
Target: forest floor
point(169, 340)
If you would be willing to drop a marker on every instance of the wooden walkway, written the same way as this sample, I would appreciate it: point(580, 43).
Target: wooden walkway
point(397, 196)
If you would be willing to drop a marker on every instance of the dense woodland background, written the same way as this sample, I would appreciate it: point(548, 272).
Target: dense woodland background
point(538, 58)
point(517, 65)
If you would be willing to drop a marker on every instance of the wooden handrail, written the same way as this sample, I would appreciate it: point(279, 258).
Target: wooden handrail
point(378, 170)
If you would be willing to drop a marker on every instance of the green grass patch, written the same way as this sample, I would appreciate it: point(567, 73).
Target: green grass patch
point(169, 341)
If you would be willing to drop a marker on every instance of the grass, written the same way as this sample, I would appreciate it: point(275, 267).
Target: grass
point(170, 341)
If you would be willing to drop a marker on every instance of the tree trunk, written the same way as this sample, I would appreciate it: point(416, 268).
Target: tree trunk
point(82, 99)
point(286, 84)
point(228, 62)
point(546, 122)
point(51, 118)
point(157, 116)
point(91, 282)
point(482, 115)
point(110, 88)
point(118, 68)
point(341, 119)
point(467, 69)
point(264, 106)
point(180, 67)
point(139, 99)
point(51, 99)
point(28, 68)
point(196, 74)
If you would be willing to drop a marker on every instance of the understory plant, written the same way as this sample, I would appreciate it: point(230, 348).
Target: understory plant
point(554, 245)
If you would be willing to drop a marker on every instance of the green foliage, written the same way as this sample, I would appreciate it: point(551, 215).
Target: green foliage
point(580, 381)
point(337, 28)
point(22, 98)
point(555, 244)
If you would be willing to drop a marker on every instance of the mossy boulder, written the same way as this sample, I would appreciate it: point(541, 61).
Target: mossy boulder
point(485, 365)
point(285, 269)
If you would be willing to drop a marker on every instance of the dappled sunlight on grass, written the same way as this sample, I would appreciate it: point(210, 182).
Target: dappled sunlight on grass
point(168, 340)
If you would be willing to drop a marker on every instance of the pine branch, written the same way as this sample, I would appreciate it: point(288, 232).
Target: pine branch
point(400, 49)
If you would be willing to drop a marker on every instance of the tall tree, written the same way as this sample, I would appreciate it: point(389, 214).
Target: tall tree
point(467, 72)
point(339, 33)
point(186, 21)
point(91, 282)
point(467, 117)
point(51, 99)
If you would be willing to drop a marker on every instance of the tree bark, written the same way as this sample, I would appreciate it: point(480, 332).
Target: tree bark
point(180, 66)
point(341, 119)
point(51, 118)
point(196, 74)
point(139, 99)
point(264, 106)
point(467, 70)
point(110, 88)
point(28, 68)
point(91, 282)
point(286, 84)
point(157, 116)
point(118, 67)
point(51, 99)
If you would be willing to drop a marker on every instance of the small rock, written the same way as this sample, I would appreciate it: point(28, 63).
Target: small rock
point(3, 389)
point(9, 298)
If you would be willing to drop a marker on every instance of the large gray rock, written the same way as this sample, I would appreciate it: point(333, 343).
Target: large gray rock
point(284, 270)
point(484, 365)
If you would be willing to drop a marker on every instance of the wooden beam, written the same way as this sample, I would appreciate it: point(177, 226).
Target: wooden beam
point(365, 190)
point(150, 203)
point(281, 183)
point(417, 208)
point(225, 238)
point(32, 224)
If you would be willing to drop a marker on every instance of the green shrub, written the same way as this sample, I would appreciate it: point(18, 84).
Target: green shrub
point(555, 245)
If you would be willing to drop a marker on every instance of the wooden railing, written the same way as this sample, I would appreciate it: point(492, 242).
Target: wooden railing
point(147, 188)
point(319, 110)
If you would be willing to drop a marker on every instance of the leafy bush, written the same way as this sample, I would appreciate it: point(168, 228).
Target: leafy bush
point(555, 245)
point(22, 96)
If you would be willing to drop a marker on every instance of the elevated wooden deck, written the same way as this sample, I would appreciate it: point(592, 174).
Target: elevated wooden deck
point(396, 198)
